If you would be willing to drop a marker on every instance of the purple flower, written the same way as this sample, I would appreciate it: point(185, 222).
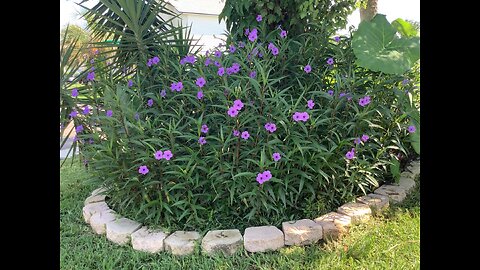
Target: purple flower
point(109, 113)
point(405, 81)
point(252, 36)
point(204, 128)
point(183, 61)
point(330, 92)
point(200, 82)
point(330, 61)
point(149, 62)
point(350, 154)
point(86, 110)
point(75, 138)
point(307, 69)
point(336, 38)
point(74, 92)
point(241, 44)
point(275, 51)
point(232, 111)
point(221, 71)
point(364, 101)
point(253, 74)
point(137, 116)
point(167, 155)
point(283, 34)
point(270, 46)
point(158, 155)
point(271, 127)
point(365, 138)
point(216, 63)
point(342, 94)
point(150, 102)
point(79, 129)
point(247, 31)
point(163, 93)
point(357, 140)
point(202, 140)
point(199, 94)
point(259, 18)
point(235, 67)
point(92, 61)
point(143, 170)
point(276, 156)
point(300, 116)
point(208, 61)
point(245, 135)
point(155, 60)
point(412, 129)
point(92, 68)
point(263, 177)
point(176, 86)
point(236, 133)
point(90, 141)
point(310, 104)
point(130, 83)
point(218, 54)
point(238, 104)
point(260, 54)
point(73, 114)
point(232, 49)
point(91, 76)
point(230, 71)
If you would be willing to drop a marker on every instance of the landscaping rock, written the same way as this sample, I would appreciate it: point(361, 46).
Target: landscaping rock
point(407, 183)
point(99, 220)
point(224, 241)
point(181, 242)
point(407, 174)
point(302, 232)
point(359, 212)
point(377, 202)
point(94, 198)
point(98, 191)
point(263, 238)
point(148, 240)
point(120, 230)
point(334, 225)
point(396, 194)
point(414, 168)
point(92, 208)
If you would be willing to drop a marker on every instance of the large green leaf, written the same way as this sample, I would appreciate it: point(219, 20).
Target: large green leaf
point(405, 28)
point(377, 47)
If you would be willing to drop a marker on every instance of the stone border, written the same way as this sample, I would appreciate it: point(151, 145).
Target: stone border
point(330, 226)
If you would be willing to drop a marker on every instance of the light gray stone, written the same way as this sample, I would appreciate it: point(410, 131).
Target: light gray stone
point(377, 202)
point(120, 230)
point(94, 198)
point(396, 194)
point(92, 208)
point(407, 183)
point(148, 240)
point(407, 174)
point(99, 220)
point(414, 168)
point(224, 241)
point(181, 242)
point(359, 212)
point(301, 232)
point(98, 191)
point(334, 225)
point(263, 238)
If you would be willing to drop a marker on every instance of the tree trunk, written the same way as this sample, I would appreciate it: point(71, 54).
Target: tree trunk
point(370, 12)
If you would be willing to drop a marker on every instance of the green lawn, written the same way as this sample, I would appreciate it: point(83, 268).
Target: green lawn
point(389, 242)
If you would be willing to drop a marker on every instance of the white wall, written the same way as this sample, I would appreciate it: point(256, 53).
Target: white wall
point(206, 28)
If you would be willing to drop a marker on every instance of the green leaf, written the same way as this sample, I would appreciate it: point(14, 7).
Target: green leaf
point(395, 168)
point(405, 28)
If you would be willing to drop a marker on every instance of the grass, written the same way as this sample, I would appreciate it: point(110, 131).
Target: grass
point(391, 241)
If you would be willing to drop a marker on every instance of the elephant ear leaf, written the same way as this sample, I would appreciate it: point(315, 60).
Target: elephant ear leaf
point(377, 47)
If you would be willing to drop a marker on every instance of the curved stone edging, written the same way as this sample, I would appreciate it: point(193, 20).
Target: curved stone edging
point(330, 226)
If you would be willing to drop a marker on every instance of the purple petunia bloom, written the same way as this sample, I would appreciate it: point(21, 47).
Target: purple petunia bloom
point(92, 61)
point(245, 135)
point(158, 155)
point(230, 71)
point(216, 63)
point(241, 44)
point(176, 86)
point(143, 170)
point(167, 154)
point(270, 46)
point(109, 113)
point(79, 129)
point(310, 104)
point(221, 71)
point(247, 31)
point(218, 54)
point(199, 94)
point(155, 60)
point(252, 36)
point(330, 61)
point(200, 82)
point(150, 102)
point(330, 92)
point(259, 18)
point(86, 110)
point(236, 133)
point(183, 61)
point(204, 129)
point(412, 129)
point(342, 94)
point(130, 83)
point(336, 38)
point(283, 34)
point(238, 104)
point(73, 114)
point(271, 127)
point(232, 111)
point(208, 61)
point(365, 138)
point(275, 51)
point(357, 141)
point(149, 62)
point(276, 156)
point(364, 101)
point(350, 154)
point(163, 93)
point(253, 74)
point(307, 69)
point(74, 92)
point(202, 140)
point(301, 116)
point(263, 177)
point(232, 49)
point(91, 76)
point(235, 67)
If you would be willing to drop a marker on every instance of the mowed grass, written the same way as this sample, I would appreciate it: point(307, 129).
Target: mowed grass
point(388, 242)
